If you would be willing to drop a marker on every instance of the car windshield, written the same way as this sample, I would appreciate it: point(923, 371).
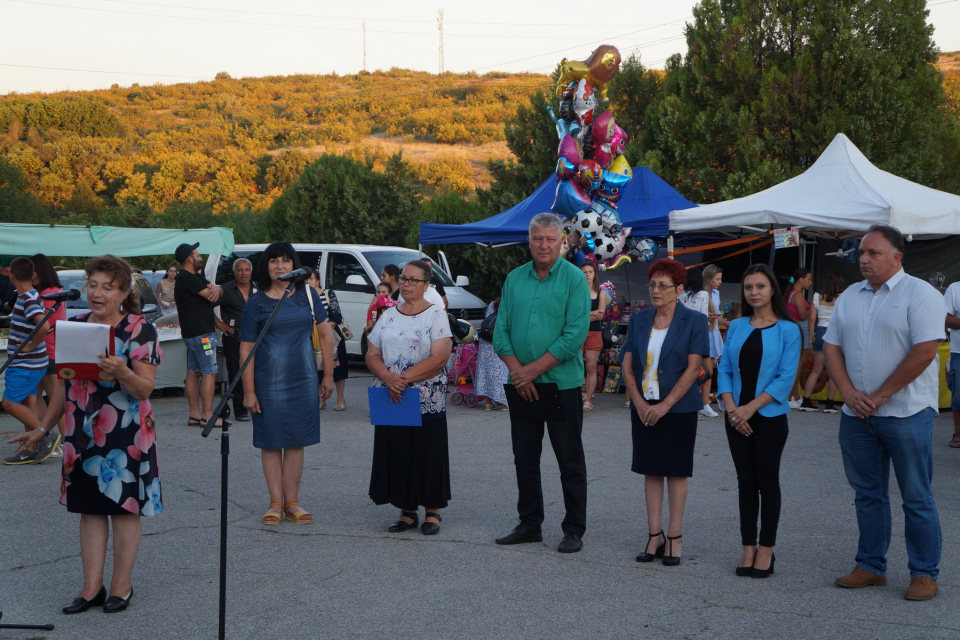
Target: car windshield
point(379, 259)
point(75, 281)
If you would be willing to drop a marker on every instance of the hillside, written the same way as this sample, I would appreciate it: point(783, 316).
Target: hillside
point(240, 142)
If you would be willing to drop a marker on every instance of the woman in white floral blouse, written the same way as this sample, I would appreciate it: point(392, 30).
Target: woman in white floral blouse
point(409, 347)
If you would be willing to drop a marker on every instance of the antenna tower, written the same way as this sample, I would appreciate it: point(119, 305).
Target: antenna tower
point(364, 23)
point(440, 27)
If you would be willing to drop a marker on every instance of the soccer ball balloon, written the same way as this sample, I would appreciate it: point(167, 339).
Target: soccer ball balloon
point(587, 221)
point(606, 247)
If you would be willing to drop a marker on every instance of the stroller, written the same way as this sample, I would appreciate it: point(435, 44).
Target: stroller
point(461, 371)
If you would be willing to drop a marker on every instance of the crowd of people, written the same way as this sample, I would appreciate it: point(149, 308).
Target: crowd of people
point(537, 349)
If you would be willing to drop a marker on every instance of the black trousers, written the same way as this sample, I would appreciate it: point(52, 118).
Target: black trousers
point(565, 438)
point(757, 460)
point(231, 353)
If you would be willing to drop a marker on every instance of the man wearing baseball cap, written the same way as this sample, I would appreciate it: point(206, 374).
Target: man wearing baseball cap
point(196, 299)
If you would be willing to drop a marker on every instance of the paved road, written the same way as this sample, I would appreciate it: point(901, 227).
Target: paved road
point(346, 577)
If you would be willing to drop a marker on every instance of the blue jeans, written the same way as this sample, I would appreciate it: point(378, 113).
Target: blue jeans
point(953, 381)
point(868, 446)
point(202, 354)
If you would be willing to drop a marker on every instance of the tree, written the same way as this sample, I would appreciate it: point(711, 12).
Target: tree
point(765, 86)
point(340, 200)
point(17, 204)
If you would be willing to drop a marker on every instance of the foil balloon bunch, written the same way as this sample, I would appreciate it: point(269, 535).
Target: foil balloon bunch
point(591, 168)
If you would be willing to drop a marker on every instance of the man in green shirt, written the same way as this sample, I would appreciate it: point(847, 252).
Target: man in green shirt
point(541, 327)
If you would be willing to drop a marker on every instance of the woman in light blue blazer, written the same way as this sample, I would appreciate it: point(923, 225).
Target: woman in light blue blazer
point(754, 380)
point(661, 361)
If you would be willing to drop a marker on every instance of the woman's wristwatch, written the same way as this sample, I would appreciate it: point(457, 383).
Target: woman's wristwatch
point(43, 431)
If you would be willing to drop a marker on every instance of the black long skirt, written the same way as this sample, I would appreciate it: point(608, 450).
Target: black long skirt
point(411, 465)
point(666, 448)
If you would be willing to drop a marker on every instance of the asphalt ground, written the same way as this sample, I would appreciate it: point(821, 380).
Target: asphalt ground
point(346, 577)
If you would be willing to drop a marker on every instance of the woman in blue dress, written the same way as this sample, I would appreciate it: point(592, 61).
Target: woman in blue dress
point(279, 383)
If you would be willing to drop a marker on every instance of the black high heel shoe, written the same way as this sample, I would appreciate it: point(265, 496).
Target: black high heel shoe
point(764, 573)
point(79, 604)
point(400, 525)
point(671, 560)
point(650, 557)
point(745, 572)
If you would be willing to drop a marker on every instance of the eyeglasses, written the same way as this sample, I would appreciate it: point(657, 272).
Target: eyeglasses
point(405, 280)
point(659, 286)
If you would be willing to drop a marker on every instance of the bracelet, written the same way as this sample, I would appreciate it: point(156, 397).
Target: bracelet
point(43, 431)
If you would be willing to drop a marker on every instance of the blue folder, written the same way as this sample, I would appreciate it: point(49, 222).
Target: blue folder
point(405, 413)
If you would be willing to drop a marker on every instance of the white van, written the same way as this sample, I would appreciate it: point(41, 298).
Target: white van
point(352, 271)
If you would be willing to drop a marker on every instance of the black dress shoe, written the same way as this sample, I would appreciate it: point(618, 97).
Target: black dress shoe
point(79, 605)
point(243, 417)
point(571, 543)
point(764, 573)
point(650, 557)
point(522, 533)
point(400, 525)
point(671, 560)
point(115, 604)
point(431, 528)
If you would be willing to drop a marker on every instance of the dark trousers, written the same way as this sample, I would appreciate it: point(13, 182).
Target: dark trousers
point(231, 353)
point(527, 440)
point(757, 460)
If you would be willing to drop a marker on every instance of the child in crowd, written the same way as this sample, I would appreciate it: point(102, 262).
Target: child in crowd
point(735, 312)
point(381, 302)
point(26, 370)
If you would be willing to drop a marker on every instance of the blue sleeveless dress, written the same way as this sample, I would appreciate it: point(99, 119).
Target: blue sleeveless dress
point(285, 370)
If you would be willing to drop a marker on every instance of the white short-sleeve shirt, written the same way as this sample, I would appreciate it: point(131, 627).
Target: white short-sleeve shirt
point(952, 300)
point(877, 328)
point(407, 340)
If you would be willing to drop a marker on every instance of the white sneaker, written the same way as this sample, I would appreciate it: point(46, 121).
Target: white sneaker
point(708, 412)
point(626, 405)
point(795, 404)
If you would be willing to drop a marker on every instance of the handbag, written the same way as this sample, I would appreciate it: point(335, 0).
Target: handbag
point(487, 327)
point(343, 326)
point(315, 334)
point(610, 338)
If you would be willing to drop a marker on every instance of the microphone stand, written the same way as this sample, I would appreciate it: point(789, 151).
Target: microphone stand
point(225, 456)
point(52, 310)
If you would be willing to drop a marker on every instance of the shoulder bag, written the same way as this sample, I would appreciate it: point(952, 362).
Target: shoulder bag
point(343, 326)
point(487, 327)
point(314, 333)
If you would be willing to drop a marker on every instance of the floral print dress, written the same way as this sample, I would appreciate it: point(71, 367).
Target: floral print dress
point(110, 445)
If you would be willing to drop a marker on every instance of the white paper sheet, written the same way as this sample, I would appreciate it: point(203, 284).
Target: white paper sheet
point(81, 342)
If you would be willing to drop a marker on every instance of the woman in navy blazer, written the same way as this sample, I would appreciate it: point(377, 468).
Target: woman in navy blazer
point(662, 358)
point(754, 381)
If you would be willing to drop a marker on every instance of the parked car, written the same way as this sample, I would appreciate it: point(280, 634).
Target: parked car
point(74, 279)
point(352, 271)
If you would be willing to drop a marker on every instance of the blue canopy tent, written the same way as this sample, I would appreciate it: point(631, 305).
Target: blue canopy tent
point(645, 206)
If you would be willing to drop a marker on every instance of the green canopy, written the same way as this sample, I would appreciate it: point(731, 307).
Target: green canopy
point(78, 240)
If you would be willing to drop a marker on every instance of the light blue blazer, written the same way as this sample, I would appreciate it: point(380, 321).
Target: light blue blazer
point(778, 365)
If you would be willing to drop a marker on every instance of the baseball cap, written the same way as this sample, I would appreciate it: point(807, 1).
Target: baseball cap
point(184, 251)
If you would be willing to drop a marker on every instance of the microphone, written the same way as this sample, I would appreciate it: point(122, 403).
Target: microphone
point(299, 275)
point(68, 294)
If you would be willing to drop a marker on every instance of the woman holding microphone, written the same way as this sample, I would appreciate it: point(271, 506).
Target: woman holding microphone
point(754, 380)
point(662, 356)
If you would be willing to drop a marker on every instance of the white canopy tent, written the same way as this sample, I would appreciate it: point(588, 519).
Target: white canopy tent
point(842, 191)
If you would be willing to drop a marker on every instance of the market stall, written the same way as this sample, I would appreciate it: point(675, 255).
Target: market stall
point(840, 196)
point(88, 241)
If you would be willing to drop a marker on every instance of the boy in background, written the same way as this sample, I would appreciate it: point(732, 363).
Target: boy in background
point(26, 370)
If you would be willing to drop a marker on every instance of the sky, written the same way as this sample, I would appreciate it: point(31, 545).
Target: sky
point(53, 45)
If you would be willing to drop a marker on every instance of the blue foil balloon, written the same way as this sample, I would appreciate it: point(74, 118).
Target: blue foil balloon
point(570, 198)
point(588, 244)
point(564, 128)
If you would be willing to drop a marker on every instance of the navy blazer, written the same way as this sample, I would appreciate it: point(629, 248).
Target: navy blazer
point(687, 335)
point(778, 364)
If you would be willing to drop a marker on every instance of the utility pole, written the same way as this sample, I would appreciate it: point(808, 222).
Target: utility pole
point(440, 27)
point(364, 45)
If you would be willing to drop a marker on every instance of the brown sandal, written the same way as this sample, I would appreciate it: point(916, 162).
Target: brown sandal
point(955, 443)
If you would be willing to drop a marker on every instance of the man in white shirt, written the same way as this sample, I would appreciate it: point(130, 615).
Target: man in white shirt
point(952, 299)
point(881, 350)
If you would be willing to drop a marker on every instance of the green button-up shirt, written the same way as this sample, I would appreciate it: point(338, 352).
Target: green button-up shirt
point(553, 314)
